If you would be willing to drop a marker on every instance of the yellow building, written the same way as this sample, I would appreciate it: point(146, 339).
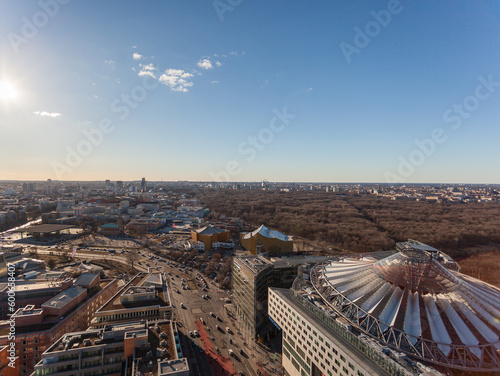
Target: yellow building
point(209, 235)
point(266, 240)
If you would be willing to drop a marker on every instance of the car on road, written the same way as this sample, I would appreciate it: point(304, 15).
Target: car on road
point(182, 305)
point(196, 333)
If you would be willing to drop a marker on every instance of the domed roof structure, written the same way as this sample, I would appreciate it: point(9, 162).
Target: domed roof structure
point(417, 302)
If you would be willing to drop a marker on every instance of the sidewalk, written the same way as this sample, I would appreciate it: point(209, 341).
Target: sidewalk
point(220, 365)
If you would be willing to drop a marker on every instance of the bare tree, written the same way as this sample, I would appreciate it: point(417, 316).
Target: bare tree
point(33, 252)
point(132, 257)
point(51, 264)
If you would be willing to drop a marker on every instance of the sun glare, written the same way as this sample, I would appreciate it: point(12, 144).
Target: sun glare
point(7, 91)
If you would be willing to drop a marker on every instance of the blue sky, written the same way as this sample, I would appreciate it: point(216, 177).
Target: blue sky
point(328, 91)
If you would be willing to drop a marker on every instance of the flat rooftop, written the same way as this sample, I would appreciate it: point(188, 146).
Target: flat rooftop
point(86, 279)
point(170, 366)
point(51, 320)
point(65, 297)
point(45, 229)
point(31, 286)
point(77, 340)
point(116, 304)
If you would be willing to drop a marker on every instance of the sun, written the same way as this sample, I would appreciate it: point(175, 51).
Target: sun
point(7, 91)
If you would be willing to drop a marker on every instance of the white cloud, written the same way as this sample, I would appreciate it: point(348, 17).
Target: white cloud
point(176, 79)
point(111, 63)
point(215, 82)
point(309, 89)
point(147, 70)
point(49, 114)
point(136, 56)
point(146, 73)
point(205, 64)
point(149, 67)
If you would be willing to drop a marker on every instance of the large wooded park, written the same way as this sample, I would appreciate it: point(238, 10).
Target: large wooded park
point(342, 223)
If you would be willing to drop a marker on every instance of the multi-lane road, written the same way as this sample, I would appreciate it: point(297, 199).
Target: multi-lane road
point(189, 306)
point(213, 313)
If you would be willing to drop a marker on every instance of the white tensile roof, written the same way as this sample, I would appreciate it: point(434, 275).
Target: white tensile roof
point(268, 233)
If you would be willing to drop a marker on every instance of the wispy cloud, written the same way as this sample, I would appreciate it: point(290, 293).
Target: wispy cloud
point(176, 79)
point(309, 89)
point(111, 63)
point(136, 56)
point(149, 67)
point(47, 114)
point(215, 82)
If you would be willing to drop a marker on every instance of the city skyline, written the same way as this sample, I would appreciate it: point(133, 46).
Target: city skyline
point(392, 92)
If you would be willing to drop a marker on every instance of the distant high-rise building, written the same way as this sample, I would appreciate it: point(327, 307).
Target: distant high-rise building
point(108, 183)
point(119, 184)
point(143, 185)
point(29, 187)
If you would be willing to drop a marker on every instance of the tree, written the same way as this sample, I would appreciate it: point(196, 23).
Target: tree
point(51, 264)
point(33, 252)
point(132, 257)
